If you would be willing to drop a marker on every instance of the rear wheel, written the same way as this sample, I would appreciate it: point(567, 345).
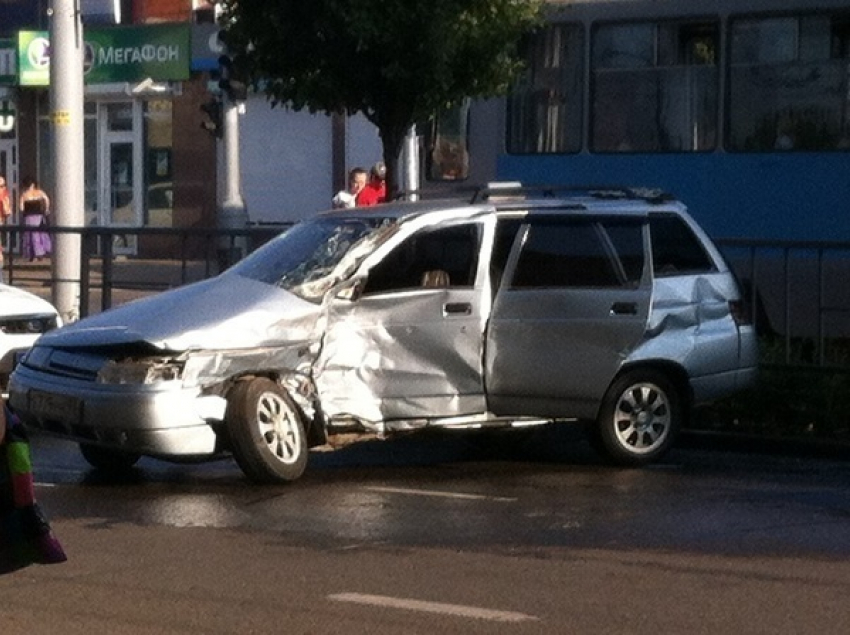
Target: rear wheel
point(108, 459)
point(639, 418)
point(266, 431)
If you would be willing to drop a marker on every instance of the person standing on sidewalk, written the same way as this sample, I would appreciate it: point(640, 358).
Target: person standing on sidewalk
point(357, 179)
point(35, 207)
point(5, 212)
point(375, 190)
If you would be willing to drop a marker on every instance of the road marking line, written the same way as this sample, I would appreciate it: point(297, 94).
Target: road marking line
point(428, 492)
point(457, 610)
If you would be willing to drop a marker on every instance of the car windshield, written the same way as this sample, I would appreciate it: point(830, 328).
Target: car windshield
point(314, 255)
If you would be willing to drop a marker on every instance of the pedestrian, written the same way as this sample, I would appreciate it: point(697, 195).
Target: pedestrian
point(375, 190)
point(35, 208)
point(25, 534)
point(5, 212)
point(357, 179)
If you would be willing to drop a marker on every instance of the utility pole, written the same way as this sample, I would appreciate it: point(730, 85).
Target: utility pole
point(410, 161)
point(232, 212)
point(66, 116)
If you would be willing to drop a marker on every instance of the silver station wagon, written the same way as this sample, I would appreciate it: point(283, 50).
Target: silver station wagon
point(609, 307)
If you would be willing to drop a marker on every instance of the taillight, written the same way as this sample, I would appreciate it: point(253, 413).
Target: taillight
point(740, 312)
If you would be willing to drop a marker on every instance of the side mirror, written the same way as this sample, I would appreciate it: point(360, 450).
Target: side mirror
point(351, 290)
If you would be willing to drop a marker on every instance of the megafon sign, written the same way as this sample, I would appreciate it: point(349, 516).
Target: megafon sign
point(115, 54)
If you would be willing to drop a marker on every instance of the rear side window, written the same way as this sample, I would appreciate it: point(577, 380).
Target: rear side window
point(675, 248)
point(581, 253)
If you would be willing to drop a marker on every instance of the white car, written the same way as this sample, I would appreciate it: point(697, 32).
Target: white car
point(23, 318)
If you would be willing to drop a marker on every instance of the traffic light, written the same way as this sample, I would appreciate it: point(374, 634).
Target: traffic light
point(215, 123)
point(232, 83)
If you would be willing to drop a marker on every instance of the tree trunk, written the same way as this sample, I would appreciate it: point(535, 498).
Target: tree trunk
point(392, 141)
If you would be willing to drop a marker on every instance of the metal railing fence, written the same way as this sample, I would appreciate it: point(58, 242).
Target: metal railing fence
point(798, 291)
point(799, 295)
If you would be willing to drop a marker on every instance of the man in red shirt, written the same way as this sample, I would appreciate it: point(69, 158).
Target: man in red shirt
point(376, 190)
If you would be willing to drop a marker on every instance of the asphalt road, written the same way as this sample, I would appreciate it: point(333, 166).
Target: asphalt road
point(444, 533)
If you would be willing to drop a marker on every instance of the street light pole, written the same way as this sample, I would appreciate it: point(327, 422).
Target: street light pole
point(66, 116)
point(410, 160)
point(232, 214)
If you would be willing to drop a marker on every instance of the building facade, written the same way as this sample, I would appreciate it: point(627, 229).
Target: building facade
point(149, 73)
point(147, 163)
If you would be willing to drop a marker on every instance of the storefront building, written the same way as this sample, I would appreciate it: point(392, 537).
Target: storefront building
point(148, 163)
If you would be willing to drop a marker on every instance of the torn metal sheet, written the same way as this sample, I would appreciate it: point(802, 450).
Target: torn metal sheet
point(398, 357)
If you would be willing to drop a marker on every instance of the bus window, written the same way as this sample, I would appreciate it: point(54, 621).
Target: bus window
point(545, 107)
point(788, 83)
point(655, 87)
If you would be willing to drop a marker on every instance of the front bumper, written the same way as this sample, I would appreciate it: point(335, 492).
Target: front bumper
point(167, 420)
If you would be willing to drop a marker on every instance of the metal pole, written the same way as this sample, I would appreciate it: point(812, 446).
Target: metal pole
point(411, 164)
point(232, 213)
point(66, 116)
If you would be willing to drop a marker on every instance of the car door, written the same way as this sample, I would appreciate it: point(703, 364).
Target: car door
point(573, 301)
point(410, 345)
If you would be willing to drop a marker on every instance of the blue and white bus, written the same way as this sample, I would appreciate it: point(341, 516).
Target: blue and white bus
point(740, 108)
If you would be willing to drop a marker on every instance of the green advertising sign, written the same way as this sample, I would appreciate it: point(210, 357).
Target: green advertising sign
point(33, 58)
point(117, 54)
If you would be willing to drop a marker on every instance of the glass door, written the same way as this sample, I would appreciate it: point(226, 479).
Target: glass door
point(121, 173)
point(8, 162)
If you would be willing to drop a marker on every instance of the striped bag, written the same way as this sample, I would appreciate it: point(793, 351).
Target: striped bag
point(25, 534)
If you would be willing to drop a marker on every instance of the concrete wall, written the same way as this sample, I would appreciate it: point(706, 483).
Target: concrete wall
point(287, 160)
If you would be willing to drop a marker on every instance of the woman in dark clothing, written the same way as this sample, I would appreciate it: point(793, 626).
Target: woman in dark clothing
point(35, 207)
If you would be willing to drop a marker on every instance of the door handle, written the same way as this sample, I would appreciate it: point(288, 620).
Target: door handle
point(457, 308)
point(624, 308)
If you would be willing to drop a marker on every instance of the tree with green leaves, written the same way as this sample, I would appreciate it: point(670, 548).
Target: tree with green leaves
point(399, 62)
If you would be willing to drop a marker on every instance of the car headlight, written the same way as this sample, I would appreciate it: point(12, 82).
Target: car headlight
point(140, 371)
point(30, 325)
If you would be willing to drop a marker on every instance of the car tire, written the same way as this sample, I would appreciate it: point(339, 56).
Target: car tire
point(639, 418)
point(108, 459)
point(266, 431)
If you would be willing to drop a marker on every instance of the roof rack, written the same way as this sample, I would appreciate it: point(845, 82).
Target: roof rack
point(603, 192)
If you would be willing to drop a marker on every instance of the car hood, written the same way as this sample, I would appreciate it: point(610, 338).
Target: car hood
point(227, 312)
point(16, 302)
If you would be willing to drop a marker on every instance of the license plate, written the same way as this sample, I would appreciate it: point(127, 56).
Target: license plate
point(45, 405)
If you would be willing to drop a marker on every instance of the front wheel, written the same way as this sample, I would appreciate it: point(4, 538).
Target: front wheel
point(639, 418)
point(266, 431)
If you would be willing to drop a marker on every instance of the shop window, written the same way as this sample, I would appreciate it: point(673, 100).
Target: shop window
point(655, 87)
point(788, 83)
point(159, 183)
point(90, 164)
point(545, 107)
point(119, 116)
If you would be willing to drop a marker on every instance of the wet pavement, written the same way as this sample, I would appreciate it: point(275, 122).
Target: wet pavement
point(454, 533)
point(474, 492)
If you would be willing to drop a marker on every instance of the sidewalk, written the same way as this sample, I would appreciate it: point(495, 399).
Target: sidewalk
point(130, 278)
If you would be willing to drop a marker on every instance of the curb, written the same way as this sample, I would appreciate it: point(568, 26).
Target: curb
point(754, 444)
